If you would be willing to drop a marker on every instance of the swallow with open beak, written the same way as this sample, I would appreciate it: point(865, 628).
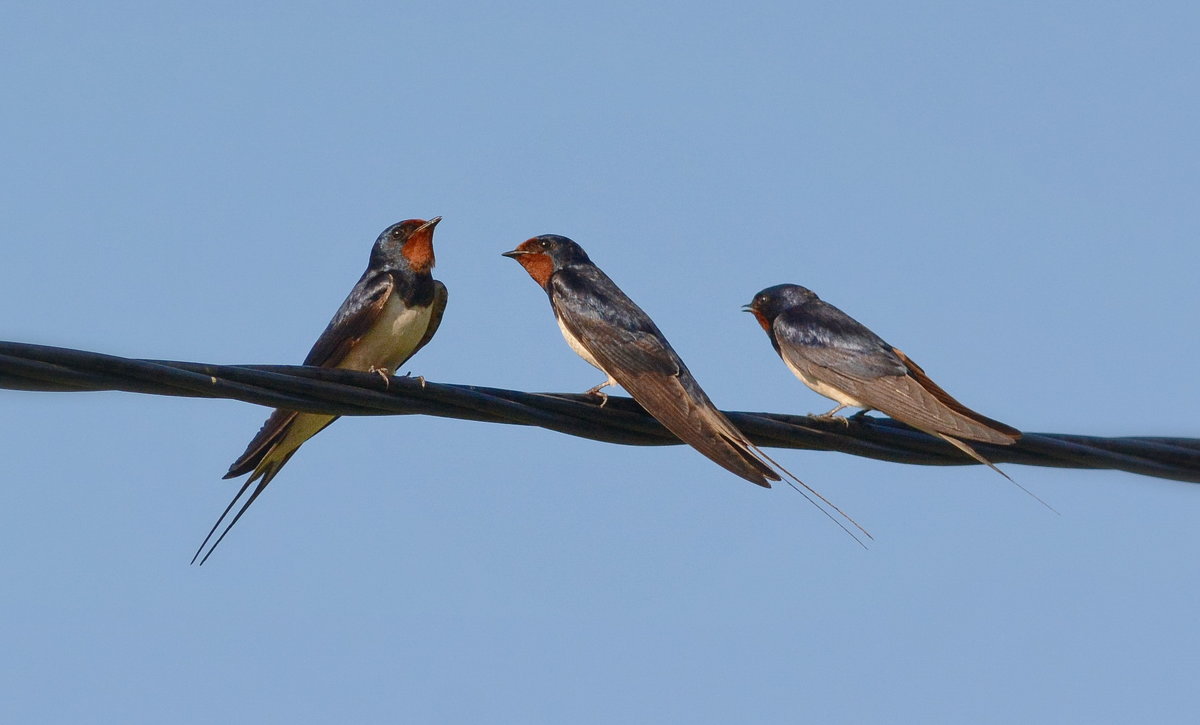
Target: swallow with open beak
point(841, 359)
point(390, 314)
point(609, 331)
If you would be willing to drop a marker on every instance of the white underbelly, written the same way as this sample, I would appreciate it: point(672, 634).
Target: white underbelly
point(577, 346)
point(824, 389)
point(392, 339)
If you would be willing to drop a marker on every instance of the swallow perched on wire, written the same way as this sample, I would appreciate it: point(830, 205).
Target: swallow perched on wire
point(841, 359)
point(605, 328)
point(390, 314)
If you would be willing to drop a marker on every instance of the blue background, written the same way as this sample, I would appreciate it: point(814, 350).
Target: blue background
point(1006, 191)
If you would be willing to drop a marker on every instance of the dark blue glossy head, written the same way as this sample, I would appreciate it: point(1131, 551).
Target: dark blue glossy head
point(405, 245)
point(541, 256)
point(773, 301)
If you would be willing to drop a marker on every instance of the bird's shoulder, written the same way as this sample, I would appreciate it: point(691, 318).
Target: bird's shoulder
point(354, 318)
point(618, 333)
point(585, 292)
point(820, 333)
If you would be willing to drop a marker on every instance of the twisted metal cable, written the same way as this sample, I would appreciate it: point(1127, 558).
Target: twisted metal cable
point(620, 420)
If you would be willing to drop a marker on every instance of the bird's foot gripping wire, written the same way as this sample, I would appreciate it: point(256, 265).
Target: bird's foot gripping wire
point(383, 373)
point(594, 392)
point(833, 415)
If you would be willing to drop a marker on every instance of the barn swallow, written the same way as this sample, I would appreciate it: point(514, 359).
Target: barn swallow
point(841, 359)
point(392, 312)
point(610, 332)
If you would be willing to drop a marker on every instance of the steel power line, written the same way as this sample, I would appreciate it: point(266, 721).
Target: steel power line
point(620, 420)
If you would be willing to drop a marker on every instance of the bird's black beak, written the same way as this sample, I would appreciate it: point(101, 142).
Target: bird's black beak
point(514, 253)
point(748, 308)
point(428, 225)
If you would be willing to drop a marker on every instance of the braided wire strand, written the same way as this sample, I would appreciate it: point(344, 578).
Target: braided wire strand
point(342, 392)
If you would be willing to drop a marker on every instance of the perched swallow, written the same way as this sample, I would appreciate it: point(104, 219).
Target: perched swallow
point(391, 313)
point(841, 359)
point(605, 328)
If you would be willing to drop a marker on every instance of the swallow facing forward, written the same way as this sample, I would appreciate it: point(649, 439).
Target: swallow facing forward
point(838, 357)
point(391, 313)
point(609, 331)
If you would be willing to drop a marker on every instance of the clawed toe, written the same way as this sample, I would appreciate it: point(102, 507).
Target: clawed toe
point(383, 373)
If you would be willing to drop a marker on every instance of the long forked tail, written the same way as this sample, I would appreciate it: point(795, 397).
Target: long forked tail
point(263, 475)
point(975, 454)
point(801, 489)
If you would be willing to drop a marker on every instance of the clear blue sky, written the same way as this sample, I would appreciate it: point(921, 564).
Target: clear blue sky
point(1007, 192)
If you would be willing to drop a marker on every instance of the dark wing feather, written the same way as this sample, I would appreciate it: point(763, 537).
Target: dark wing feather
point(1005, 431)
point(629, 347)
point(830, 338)
point(353, 320)
point(830, 347)
point(271, 433)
